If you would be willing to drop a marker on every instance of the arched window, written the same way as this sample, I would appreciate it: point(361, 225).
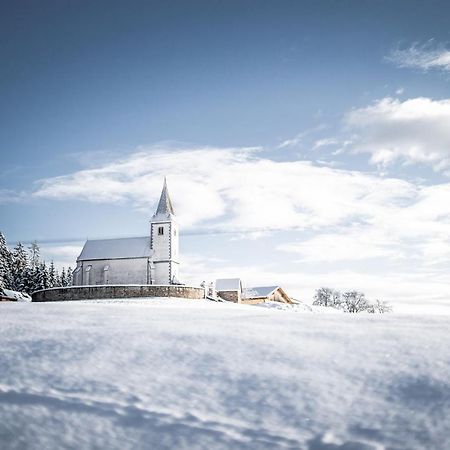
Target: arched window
point(105, 274)
point(76, 276)
point(88, 275)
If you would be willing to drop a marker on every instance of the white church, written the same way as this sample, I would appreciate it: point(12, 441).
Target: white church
point(151, 259)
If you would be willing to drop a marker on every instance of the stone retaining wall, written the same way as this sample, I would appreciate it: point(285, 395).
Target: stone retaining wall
point(123, 291)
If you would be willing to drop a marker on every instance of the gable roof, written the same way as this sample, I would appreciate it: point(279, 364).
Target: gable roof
point(165, 206)
point(135, 247)
point(228, 284)
point(259, 292)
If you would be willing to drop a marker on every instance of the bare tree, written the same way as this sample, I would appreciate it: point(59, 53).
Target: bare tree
point(354, 302)
point(382, 307)
point(351, 301)
point(327, 297)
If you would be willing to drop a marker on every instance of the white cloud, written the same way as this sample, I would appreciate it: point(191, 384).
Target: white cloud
point(138, 178)
point(352, 244)
point(422, 56)
point(412, 131)
point(235, 189)
point(414, 233)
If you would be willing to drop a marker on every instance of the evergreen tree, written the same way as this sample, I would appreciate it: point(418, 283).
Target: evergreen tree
point(57, 282)
point(19, 266)
point(5, 263)
point(25, 271)
point(33, 267)
point(33, 279)
point(52, 276)
point(69, 278)
point(62, 279)
point(42, 276)
point(35, 255)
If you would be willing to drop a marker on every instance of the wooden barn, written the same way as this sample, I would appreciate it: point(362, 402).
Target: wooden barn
point(230, 289)
point(264, 294)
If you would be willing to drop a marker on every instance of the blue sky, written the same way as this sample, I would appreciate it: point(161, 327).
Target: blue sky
point(305, 143)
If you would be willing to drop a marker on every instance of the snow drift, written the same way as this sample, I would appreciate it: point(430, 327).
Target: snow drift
point(183, 374)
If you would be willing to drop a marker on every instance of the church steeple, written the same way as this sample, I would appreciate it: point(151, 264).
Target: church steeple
point(163, 266)
point(165, 205)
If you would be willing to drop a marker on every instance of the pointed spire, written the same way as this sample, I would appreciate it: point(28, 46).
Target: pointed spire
point(165, 205)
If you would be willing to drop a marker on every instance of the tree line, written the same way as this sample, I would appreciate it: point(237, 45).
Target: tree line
point(351, 301)
point(23, 270)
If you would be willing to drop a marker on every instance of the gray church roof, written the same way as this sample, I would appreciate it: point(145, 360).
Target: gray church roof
point(136, 247)
point(165, 205)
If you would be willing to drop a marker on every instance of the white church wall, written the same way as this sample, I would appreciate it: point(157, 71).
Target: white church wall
point(119, 271)
point(175, 271)
point(165, 244)
point(175, 241)
point(162, 274)
point(161, 242)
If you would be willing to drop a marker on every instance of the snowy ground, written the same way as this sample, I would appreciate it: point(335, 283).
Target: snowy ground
point(186, 374)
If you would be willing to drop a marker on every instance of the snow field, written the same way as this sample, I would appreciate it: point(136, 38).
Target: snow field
point(184, 374)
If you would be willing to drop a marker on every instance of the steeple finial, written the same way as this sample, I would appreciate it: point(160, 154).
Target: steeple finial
point(165, 205)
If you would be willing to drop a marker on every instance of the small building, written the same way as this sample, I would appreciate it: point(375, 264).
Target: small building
point(229, 289)
point(264, 294)
point(6, 295)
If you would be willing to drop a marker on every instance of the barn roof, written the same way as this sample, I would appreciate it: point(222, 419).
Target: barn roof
point(260, 291)
point(228, 284)
point(135, 247)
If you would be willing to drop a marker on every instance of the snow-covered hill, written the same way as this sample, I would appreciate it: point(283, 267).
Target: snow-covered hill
point(183, 374)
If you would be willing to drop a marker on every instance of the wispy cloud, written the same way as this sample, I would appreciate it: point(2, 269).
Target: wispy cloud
point(11, 196)
point(427, 56)
point(346, 244)
point(415, 234)
point(234, 189)
point(354, 215)
point(325, 142)
point(411, 131)
point(299, 138)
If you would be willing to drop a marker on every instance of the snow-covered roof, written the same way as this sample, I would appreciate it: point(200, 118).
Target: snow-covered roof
point(260, 291)
point(15, 295)
point(135, 247)
point(228, 284)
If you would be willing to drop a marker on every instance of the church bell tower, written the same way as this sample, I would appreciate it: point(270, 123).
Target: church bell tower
point(164, 238)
